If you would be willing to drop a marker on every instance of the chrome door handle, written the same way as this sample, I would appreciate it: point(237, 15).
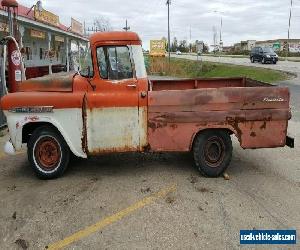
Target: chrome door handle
point(131, 85)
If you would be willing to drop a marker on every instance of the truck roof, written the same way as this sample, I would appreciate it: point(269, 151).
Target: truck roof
point(114, 36)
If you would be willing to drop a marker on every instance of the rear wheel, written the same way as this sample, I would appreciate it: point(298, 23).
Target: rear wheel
point(252, 59)
point(48, 153)
point(212, 152)
point(263, 60)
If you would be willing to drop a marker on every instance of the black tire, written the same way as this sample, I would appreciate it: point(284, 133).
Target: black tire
point(48, 153)
point(212, 151)
point(252, 59)
point(263, 61)
point(275, 62)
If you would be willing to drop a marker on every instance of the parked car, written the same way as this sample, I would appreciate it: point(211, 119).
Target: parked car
point(263, 55)
point(178, 52)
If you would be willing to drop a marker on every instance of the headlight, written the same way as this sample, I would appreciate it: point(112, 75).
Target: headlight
point(268, 56)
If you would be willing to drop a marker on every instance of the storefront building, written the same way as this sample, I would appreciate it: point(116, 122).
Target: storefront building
point(45, 43)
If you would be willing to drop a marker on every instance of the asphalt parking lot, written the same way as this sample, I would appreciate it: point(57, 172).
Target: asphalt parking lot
point(151, 201)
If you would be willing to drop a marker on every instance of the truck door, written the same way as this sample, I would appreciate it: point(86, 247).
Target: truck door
point(113, 108)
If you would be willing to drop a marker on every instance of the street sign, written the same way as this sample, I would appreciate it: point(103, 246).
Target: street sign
point(157, 48)
point(76, 26)
point(277, 46)
point(46, 17)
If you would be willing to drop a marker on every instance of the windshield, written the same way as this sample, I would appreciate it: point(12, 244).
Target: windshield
point(86, 63)
point(268, 50)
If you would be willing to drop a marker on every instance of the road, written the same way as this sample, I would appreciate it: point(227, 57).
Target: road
point(150, 201)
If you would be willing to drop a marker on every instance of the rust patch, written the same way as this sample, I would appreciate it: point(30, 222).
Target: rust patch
point(235, 124)
point(264, 126)
point(33, 118)
point(55, 82)
point(156, 125)
point(152, 125)
point(253, 134)
point(147, 148)
point(174, 126)
point(125, 149)
point(84, 143)
point(202, 99)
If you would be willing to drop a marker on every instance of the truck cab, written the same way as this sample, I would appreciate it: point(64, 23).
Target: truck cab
point(110, 106)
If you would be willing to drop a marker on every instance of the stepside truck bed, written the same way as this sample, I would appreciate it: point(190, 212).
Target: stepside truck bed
point(256, 112)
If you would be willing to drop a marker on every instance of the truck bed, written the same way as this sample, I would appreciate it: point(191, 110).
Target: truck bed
point(183, 84)
point(257, 113)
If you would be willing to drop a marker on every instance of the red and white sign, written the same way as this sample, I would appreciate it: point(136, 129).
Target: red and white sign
point(16, 57)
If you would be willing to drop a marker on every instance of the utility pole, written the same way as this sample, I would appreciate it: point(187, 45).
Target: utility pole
point(126, 28)
point(221, 29)
point(169, 35)
point(191, 39)
point(288, 43)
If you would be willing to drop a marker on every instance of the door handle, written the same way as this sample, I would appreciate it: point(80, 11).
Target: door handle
point(131, 85)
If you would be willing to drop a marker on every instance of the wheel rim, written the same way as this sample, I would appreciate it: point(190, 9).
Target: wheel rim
point(214, 151)
point(47, 153)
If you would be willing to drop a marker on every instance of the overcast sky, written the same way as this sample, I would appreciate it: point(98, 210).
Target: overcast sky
point(242, 20)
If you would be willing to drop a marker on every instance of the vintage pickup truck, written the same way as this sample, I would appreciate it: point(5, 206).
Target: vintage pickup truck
point(111, 106)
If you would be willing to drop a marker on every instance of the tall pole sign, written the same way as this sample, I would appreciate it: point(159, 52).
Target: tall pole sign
point(13, 55)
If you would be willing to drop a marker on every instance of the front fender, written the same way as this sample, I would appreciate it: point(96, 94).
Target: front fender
point(67, 121)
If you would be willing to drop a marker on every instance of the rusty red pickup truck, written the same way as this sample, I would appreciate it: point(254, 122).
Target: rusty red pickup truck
point(111, 106)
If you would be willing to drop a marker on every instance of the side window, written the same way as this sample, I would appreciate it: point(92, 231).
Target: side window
point(86, 64)
point(102, 63)
point(114, 63)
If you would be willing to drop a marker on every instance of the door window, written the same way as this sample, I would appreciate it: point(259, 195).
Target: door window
point(114, 63)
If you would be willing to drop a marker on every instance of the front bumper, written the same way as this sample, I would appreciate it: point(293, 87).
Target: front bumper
point(271, 59)
point(9, 148)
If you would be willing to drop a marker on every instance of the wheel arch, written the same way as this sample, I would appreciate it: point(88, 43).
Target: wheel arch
point(230, 131)
point(30, 127)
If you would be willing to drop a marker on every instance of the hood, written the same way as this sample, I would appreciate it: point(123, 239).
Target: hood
point(59, 82)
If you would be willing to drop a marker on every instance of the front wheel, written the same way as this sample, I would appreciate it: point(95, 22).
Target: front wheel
point(48, 153)
point(252, 59)
point(212, 152)
point(263, 60)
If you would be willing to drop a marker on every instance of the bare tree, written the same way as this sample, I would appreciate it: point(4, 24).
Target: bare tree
point(102, 24)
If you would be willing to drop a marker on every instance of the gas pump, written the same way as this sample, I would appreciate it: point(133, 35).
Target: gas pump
point(15, 63)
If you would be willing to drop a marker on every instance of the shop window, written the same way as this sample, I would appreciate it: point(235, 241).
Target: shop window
point(28, 53)
point(41, 53)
